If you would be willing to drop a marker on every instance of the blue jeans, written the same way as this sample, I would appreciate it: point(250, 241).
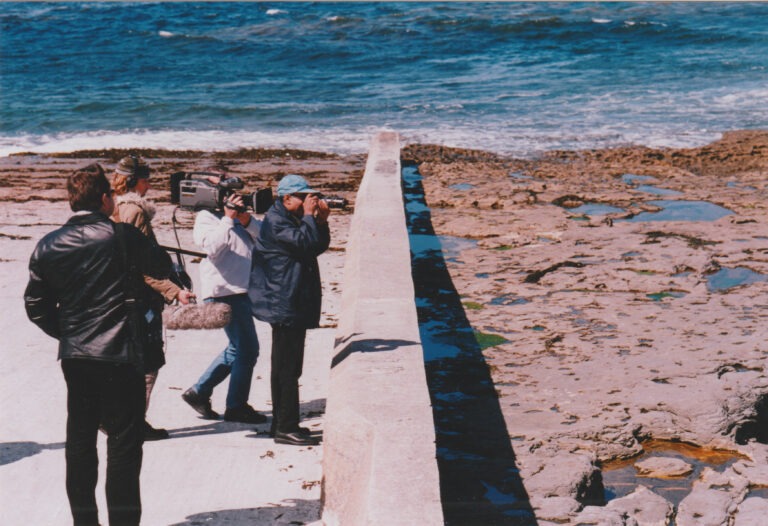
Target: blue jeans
point(238, 359)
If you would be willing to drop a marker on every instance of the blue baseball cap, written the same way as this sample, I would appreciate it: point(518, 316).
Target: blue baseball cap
point(294, 184)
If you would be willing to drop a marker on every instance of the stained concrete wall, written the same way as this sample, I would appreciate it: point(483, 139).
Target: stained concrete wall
point(379, 463)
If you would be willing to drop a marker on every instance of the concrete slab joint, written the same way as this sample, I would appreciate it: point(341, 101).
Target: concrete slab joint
point(379, 433)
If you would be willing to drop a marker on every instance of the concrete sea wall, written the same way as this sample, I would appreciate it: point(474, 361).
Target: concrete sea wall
point(379, 464)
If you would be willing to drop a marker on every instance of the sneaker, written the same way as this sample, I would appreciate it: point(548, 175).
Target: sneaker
point(200, 404)
point(245, 414)
point(151, 433)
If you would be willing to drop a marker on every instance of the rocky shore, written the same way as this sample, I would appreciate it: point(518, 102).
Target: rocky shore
point(604, 328)
point(611, 327)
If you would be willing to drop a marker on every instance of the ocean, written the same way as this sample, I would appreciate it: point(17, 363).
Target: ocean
point(515, 78)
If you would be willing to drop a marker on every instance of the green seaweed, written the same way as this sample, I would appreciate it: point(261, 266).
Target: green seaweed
point(485, 340)
point(658, 296)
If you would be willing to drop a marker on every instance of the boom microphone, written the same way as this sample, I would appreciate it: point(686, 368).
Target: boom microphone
point(196, 316)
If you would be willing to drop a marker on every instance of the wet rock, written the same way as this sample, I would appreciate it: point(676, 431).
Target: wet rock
point(520, 197)
point(556, 509)
point(752, 511)
point(756, 474)
point(570, 475)
point(645, 507)
point(663, 467)
point(600, 516)
point(713, 500)
point(757, 451)
point(569, 201)
point(711, 267)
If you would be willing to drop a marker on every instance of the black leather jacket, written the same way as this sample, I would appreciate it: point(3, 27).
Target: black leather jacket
point(76, 292)
point(285, 278)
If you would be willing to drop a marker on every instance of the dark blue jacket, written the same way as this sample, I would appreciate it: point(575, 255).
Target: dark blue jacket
point(285, 278)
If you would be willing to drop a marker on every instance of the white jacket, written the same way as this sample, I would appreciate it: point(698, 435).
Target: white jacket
point(229, 245)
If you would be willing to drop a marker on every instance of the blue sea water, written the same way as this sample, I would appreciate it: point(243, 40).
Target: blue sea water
point(516, 78)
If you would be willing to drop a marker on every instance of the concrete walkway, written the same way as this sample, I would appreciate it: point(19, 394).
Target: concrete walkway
point(208, 472)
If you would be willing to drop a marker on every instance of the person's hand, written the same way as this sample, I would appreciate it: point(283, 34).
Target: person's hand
point(185, 296)
point(310, 204)
point(231, 205)
point(323, 211)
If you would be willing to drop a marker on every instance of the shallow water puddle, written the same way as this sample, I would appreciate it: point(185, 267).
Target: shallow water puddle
point(728, 278)
point(620, 478)
point(683, 211)
point(450, 246)
point(462, 186)
point(655, 190)
point(633, 179)
point(508, 299)
point(595, 209)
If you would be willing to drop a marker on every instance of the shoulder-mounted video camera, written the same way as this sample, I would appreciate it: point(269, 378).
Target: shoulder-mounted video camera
point(195, 191)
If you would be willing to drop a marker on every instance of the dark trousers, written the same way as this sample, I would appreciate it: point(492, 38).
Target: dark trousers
point(287, 363)
point(111, 396)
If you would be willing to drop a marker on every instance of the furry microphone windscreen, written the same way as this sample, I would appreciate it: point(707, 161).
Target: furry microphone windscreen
point(211, 315)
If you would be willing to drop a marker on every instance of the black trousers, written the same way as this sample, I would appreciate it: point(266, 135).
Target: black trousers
point(287, 363)
point(111, 396)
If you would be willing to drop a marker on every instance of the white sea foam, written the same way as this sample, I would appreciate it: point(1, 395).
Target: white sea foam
point(752, 96)
point(273, 12)
point(331, 140)
point(601, 20)
point(165, 34)
point(520, 140)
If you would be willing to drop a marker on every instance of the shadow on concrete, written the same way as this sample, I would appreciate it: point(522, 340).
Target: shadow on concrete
point(11, 452)
point(294, 511)
point(214, 427)
point(370, 345)
point(313, 408)
point(308, 409)
point(479, 479)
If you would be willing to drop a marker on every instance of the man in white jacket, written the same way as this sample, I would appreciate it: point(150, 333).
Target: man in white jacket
point(228, 238)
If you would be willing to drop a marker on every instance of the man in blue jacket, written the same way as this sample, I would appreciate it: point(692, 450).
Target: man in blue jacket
point(285, 292)
point(77, 293)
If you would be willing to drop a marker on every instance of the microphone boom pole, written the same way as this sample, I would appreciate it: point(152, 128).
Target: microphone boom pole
point(184, 251)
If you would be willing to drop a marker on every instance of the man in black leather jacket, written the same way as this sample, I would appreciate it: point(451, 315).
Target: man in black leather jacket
point(76, 294)
point(285, 291)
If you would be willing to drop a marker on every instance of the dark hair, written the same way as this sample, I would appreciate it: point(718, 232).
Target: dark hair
point(85, 188)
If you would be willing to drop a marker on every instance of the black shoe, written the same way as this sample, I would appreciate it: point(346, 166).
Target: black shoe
point(151, 433)
point(295, 439)
point(200, 404)
point(245, 414)
point(303, 431)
